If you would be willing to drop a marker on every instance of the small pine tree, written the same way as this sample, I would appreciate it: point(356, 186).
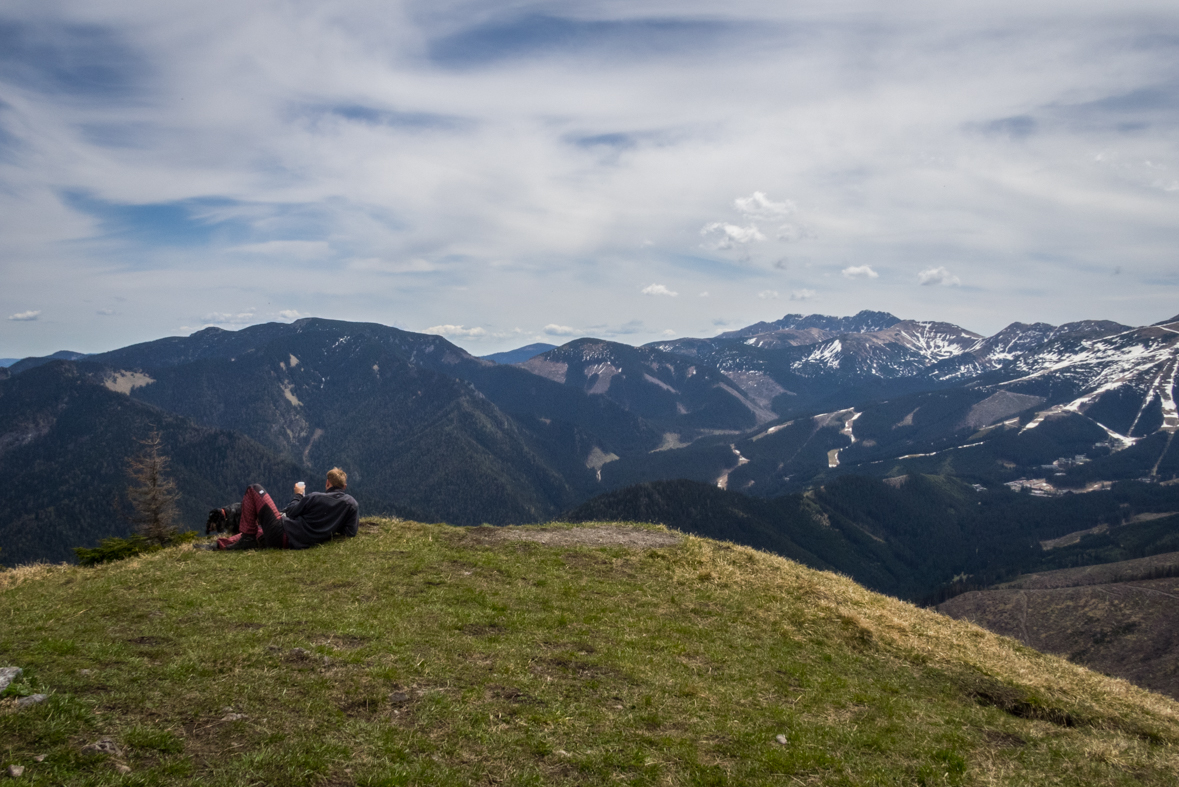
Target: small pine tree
point(152, 493)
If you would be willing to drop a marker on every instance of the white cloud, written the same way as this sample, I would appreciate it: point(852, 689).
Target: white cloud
point(669, 332)
point(766, 295)
point(759, 206)
point(803, 295)
point(106, 312)
point(560, 330)
point(378, 265)
point(291, 314)
point(860, 272)
point(938, 275)
point(298, 249)
point(659, 289)
point(724, 235)
point(223, 318)
point(703, 294)
point(456, 331)
point(25, 316)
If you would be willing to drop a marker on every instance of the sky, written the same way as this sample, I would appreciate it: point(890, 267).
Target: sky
point(508, 172)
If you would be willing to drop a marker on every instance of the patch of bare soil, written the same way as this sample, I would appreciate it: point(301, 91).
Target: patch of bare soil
point(592, 536)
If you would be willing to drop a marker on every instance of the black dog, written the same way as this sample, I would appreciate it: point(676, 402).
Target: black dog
point(225, 520)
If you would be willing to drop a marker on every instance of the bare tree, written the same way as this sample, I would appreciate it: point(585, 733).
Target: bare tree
point(152, 493)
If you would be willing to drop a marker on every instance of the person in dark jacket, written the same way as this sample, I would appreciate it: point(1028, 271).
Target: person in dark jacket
point(308, 520)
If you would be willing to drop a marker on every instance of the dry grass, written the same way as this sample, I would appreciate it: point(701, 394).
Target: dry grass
point(10, 578)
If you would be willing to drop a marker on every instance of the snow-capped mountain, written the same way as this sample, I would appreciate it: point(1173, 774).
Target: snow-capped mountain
point(1013, 341)
point(905, 349)
point(784, 372)
point(1124, 382)
point(789, 337)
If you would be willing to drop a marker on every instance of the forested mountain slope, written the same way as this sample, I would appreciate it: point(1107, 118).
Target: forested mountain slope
point(64, 442)
point(767, 411)
point(907, 536)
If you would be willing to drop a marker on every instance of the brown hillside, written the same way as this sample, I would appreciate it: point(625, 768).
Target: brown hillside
point(1112, 618)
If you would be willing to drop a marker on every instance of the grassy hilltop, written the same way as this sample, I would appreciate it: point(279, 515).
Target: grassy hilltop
point(426, 654)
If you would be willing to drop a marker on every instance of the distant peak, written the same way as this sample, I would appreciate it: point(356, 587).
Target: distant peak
point(865, 321)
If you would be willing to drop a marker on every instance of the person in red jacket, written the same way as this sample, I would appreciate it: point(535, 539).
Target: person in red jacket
point(308, 520)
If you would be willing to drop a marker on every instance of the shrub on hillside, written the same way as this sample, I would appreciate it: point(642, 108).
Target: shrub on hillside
point(111, 549)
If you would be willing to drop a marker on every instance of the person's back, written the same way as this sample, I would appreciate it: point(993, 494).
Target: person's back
point(313, 519)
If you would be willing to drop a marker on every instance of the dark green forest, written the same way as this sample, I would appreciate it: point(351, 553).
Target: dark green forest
point(909, 537)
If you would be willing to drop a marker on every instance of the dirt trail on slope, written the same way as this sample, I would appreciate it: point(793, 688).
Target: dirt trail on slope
point(592, 535)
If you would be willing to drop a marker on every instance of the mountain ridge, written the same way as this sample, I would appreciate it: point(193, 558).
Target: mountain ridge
point(460, 438)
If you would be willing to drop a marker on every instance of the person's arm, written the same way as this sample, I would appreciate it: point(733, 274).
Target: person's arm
point(295, 507)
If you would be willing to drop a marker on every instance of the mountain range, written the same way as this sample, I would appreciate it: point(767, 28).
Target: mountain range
point(426, 429)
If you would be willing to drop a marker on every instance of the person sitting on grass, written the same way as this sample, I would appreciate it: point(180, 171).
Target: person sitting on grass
point(307, 520)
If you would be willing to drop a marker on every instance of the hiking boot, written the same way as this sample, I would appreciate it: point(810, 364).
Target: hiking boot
point(245, 542)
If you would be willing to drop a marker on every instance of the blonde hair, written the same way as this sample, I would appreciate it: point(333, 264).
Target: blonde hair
point(337, 477)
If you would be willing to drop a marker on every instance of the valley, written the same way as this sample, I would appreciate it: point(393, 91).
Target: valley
point(1117, 618)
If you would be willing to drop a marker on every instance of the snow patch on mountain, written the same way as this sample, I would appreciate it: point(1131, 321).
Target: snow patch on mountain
point(605, 373)
point(826, 355)
point(935, 341)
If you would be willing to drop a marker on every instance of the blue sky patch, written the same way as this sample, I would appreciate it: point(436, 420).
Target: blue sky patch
point(116, 135)
point(1017, 127)
point(536, 35)
point(8, 141)
point(372, 116)
point(162, 223)
point(1128, 112)
point(618, 140)
point(77, 60)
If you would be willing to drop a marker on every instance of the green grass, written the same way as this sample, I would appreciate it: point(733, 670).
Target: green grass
point(436, 655)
